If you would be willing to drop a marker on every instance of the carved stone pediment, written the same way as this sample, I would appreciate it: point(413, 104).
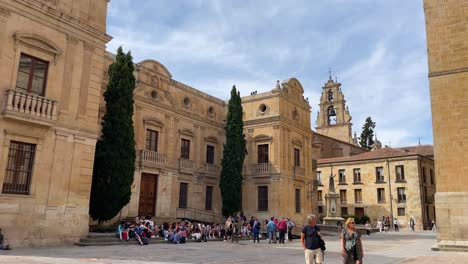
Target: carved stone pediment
point(211, 139)
point(262, 137)
point(186, 132)
point(153, 121)
point(38, 42)
point(156, 67)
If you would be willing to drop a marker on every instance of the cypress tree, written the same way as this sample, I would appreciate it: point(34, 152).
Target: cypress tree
point(114, 162)
point(367, 134)
point(233, 157)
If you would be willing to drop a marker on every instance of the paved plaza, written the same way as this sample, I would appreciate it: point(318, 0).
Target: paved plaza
point(403, 247)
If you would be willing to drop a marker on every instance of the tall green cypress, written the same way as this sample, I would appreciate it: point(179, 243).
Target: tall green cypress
point(114, 161)
point(233, 157)
point(367, 135)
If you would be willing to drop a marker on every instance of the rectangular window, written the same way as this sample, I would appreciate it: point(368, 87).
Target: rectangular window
point(319, 177)
point(357, 175)
point(298, 200)
point(152, 140)
point(400, 173)
point(401, 194)
point(263, 153)
point(358, 196)
point(297, 157)
point(401, 212)
point(379, 174)
point(424, 174)
point(32, 75)
point(431, 174)
point(209, 198)
point(319, 196)
point(209, 154)
point(342, 176)
point(19, 168)
point(344, 210)
point(183, 194)
point(343, 197)
point(320, 209)
point(185, 149)
point(262, 198)
point(380, 195)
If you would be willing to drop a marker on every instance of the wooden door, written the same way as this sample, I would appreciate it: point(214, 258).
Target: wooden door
point(148, 187)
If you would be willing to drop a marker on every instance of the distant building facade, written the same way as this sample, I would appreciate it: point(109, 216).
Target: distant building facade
point(398, 182)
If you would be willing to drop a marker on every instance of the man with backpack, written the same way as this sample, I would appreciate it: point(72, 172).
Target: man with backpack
point(310, 238)
point(291, 225)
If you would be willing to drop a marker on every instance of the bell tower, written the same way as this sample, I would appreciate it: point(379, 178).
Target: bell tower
point(333, 118)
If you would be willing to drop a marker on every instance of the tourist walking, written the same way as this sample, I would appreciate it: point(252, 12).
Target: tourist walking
point(411, 224)
point(310, 239)
point(291, 225)
point(256, 231)
point(379, 225)
point(368, 228)
point(282, 228)
point(395, 225)
point(271, 230)
point(351, 244)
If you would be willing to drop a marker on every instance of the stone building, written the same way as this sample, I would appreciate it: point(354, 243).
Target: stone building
point(52, 55)
point(447, 45)
point(396, 182)
point(179, 135)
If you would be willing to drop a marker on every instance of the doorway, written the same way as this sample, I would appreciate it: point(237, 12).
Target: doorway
point(359, 212)
point(148, 187)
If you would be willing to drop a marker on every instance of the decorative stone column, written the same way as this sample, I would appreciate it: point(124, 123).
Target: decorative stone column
point(332, 200)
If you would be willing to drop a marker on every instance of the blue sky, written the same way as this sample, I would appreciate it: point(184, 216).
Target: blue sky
point(376, 49)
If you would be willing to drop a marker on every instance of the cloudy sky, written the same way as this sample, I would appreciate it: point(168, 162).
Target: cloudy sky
point(376, 49)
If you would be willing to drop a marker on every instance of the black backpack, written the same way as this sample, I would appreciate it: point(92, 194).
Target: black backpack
point(322, 244)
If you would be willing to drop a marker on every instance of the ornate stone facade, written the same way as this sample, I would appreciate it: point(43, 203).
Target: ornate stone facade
point(52, 55)
point(447, 42)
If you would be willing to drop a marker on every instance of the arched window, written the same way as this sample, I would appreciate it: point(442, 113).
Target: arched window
point(330, 95)
point(331, 115)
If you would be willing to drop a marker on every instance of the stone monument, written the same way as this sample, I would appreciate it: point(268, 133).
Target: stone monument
point(332, 200)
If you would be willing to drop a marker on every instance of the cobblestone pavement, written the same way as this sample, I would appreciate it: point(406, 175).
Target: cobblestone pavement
point(404, 247)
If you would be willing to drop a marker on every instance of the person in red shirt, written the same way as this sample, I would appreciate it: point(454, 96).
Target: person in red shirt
point(282, 228)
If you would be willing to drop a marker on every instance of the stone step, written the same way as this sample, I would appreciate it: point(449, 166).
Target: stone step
point(101, 235)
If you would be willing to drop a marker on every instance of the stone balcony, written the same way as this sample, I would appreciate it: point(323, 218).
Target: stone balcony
point(152, 159)
point(30, 108)
point(211, 169)
point(260, 169)
point(186, 165)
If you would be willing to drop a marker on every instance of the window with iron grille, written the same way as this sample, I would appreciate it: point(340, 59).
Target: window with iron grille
point(32, 75)
point(183, 194)
point(343, 197)
point(358, 196)
point(400, 173)
point(401, 194)
point(209, 154)
point(357, 175)
point(185, 149)
point(19, 168)
point(379, 174)
point(262, 198)
point(380, 195)
point(152, 140)
point(401, 212)
point(319, 196)
point(263, 153)
point(320, 209)
point(319, 177)
point(209, 198)
point(423, 174)
point(298, 200)
point(342, 176)
point(297, 157)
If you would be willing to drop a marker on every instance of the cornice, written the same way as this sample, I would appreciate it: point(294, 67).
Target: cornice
point(4, 12)
point(197, 93)
point(35, 7)
point(367, 161)
point(178, 112)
